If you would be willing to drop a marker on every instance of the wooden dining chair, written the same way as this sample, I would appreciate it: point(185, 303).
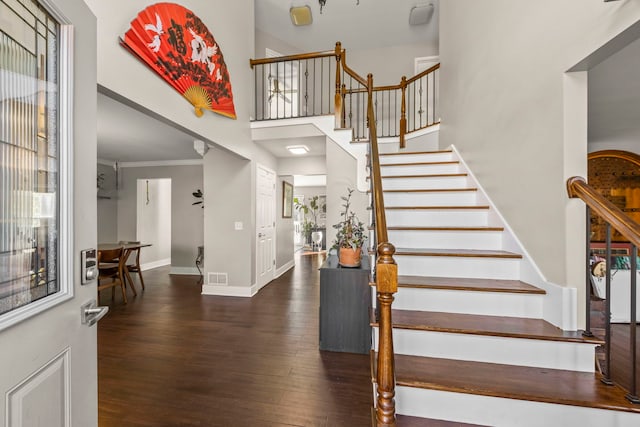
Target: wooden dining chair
point(111, 272)
point(133, 264)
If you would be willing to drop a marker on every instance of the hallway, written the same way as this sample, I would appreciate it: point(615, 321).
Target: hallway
point(172, 357)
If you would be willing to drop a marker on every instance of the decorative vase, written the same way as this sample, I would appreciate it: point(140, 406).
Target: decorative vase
point(349, 257)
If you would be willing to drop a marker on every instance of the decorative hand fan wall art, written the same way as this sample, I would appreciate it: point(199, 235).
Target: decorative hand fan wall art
point(175, 43)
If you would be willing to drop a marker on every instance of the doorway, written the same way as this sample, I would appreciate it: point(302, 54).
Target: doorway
point(153, 221)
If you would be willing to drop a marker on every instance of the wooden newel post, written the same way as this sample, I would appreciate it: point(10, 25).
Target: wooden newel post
point(387, 285)
point(403, 111)
point(338, 95)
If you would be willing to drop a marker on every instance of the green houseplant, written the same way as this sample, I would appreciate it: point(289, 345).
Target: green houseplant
point(314, 208)
point(351, 235)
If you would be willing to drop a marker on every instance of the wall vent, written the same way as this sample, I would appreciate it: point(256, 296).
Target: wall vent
point(220, 279)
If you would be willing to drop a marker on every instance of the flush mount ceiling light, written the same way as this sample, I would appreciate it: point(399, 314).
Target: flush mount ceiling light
point(420, 14)
point(298, 149)
point(301, 15)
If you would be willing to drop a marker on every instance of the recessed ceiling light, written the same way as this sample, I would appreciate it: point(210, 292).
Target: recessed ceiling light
point(298, 149)
point(300, 15)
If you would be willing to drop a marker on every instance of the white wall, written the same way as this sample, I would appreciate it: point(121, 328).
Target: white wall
point(303, 165)
point(502, 97)
point(231, 24)
point(187, 225)
point(107, 206)
point(153, 225)
point(614, 102)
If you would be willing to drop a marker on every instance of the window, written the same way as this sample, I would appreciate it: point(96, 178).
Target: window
point(29, 155)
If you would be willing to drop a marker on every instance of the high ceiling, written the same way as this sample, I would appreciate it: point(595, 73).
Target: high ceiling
point(379, 23)
point(125, 134)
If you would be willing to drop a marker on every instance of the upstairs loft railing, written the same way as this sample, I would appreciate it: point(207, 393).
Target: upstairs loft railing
point(630, 230)
point(359, 106)
point(315, 84)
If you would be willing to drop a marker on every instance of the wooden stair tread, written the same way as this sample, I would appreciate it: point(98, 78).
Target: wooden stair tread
point(465, 253)
point(468, 284)
point(430, 190)
point(512, 382)
point(444, 228)
point(406, 421)
point(443, 208)
point(435, 175)
point(497, 326)
point(408, 153)
point(444, 162)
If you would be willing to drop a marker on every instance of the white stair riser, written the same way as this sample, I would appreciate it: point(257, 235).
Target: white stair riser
point(418, 157)
point(425, 183)
point(490, 349)
point(501, 412)
point(435, 198)
point(448, 239)
point(437, 218)
point(470, 302)
point(444, 266)
point(428, 169)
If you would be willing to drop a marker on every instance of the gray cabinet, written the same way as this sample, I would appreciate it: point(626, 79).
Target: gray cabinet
point(345, 301)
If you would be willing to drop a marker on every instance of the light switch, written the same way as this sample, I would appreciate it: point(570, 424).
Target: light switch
point(238, 225)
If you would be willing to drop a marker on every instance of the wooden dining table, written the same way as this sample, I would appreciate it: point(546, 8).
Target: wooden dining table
point(127, 247)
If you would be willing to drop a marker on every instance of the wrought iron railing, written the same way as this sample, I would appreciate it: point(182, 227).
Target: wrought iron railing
point(321, 83)
point(630, 230)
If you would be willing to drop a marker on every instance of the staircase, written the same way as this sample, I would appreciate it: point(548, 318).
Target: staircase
point(471, 345)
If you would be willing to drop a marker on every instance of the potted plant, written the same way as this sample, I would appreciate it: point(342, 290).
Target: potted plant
point(350, 236)
point(309, 227)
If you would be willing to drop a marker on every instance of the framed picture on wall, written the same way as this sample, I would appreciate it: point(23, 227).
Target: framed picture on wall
point(287, 199)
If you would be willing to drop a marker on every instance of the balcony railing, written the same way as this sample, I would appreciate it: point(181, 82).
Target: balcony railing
point(313, 84)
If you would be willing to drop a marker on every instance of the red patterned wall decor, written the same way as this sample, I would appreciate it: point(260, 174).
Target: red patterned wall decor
point(175, 43)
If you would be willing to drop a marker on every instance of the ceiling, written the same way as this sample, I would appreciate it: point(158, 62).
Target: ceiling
point(125, 134)
point(380, 23)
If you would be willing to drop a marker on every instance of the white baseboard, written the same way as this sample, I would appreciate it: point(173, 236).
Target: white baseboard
point(281, 270)
point(155, 264)
point(191, 271)
point(229, 291)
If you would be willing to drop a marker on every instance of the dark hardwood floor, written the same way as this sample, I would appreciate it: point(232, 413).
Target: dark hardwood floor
point(173, 357)
point(621, 368)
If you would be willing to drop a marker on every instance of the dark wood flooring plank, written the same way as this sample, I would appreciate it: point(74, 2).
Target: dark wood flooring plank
point(173, 357)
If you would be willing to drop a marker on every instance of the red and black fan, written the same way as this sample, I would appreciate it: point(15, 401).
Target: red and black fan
point(175, 43)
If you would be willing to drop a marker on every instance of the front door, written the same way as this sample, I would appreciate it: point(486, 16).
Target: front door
point(48, 374)
point(265, 225)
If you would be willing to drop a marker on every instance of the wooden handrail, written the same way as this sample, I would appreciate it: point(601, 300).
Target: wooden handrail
point(423, 73)
point(577, 187)
point(386, 283)
point(349, 71)
point(300, 56)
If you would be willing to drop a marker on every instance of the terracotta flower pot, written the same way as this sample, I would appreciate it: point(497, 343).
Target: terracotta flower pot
point(349, 257)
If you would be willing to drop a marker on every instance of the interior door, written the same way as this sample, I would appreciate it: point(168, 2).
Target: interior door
point(265, 225)
point(48, 374)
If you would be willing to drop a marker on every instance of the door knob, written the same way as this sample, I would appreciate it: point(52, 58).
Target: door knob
point(90, 313)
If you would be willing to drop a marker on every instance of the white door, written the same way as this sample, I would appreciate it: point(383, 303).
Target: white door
point(48, 359)
point(265, 225)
